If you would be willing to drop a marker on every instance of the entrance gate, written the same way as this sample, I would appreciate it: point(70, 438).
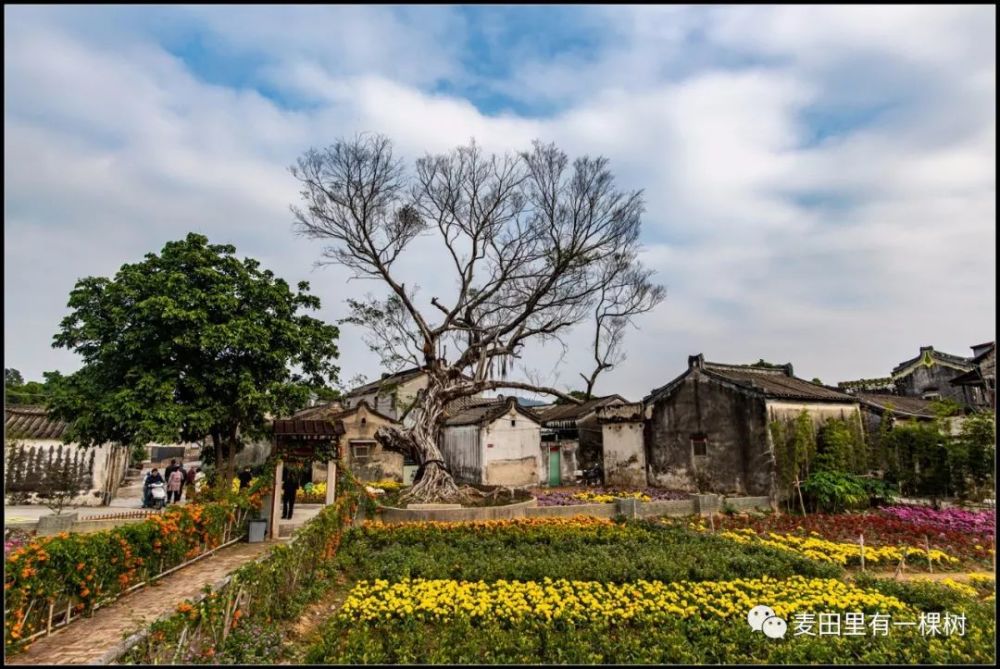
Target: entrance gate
point(304, 441)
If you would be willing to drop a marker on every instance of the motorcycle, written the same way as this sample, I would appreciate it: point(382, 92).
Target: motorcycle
point(157, 496)
point(592, 476)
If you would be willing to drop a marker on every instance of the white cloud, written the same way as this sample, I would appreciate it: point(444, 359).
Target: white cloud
point(114, 147)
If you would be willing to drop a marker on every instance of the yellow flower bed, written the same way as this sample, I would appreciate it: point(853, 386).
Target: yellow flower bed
point(236, 484)
point(961, 588)
point(389, 485)
point(606, 498)
point(594, 601)
point(840, 553)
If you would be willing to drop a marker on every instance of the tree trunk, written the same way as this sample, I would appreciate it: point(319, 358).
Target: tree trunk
point(419, 440)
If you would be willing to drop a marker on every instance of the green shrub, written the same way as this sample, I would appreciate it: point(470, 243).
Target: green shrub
point(611, 553)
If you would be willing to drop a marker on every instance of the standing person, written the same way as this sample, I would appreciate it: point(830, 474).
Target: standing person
point(289, 486)
point(170, 470)
point(199, 480)
point(189, 483)
point(174, 482)
point(245, 477)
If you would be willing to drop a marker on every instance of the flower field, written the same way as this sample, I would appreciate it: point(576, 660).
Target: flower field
point(592, 601)
point(958, 539)
point(584, 590)
point(603, 496)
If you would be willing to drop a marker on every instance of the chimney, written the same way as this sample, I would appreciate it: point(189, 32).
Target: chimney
point(696, 361)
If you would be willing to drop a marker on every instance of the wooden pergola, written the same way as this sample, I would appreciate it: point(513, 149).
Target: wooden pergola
point(304, 440)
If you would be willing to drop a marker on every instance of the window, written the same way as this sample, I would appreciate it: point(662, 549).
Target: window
point(699, 444)
point(361, 452)
point(513, 423)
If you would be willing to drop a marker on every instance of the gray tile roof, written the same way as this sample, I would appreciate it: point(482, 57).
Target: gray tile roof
point(32, 422)
point(775, 383)
point(900, 405)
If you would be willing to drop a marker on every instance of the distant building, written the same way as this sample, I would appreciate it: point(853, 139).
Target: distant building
point(391, 395)
point(492, 442)
point(364, 456)
point(572, 437)
point(708, 429)
point(929, 375)
point(979, 384)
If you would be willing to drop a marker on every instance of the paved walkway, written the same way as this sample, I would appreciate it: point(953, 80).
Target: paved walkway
point(83, 641)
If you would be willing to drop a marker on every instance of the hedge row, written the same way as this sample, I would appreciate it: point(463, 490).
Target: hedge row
point(51, 580)
point(237, 623)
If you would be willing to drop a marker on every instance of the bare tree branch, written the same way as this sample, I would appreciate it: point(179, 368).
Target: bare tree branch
point(537, 245)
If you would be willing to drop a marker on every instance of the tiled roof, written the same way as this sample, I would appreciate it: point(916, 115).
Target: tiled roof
point(898, 404)
point(572, 412)
point(487, 411)
point(307, 428)
point(955, 360)
point(775, 383)
point(32, 422)
point(388, 380)
point(333, 411)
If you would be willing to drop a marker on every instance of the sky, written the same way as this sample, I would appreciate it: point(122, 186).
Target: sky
point(820, 182)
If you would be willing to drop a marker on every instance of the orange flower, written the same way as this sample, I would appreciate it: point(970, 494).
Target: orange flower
point(184, 607)
point(80, 566)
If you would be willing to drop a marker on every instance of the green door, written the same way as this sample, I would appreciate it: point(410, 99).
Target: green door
point(554, 477)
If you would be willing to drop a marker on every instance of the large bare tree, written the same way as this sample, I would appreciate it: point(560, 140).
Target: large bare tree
point(536, 245)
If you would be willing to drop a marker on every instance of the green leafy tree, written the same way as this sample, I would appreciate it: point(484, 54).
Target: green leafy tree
point(12, 377)
point(974, 456)
point(190, 343)
point(578, 394)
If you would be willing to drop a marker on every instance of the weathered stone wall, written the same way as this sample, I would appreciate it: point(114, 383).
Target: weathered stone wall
point(624, 455)
point(591, 438)
point(738, 457)
point(520, 472)
point(934, 379)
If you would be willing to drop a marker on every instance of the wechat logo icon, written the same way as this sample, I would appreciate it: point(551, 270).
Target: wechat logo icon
point(763, 619)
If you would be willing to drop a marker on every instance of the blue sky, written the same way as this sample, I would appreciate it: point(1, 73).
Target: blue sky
point(820, 181)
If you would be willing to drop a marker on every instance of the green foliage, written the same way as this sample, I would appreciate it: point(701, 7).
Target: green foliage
point(81, 571)
point(188, 343)
point(265, 593)
point(578, 394)
point(688, 642)
point(616, 553)
point(833, 491)
point(973, 457)
point(17, 391)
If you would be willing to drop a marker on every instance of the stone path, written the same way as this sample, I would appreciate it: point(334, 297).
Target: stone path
point(84, 641)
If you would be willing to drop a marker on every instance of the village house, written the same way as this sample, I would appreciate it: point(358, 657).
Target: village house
point(623, 444)
point(492, 441)
point(708, 429)
point(391, 395)
point(33, 445)
point(929, 375)
point(978, 385)
point(364, 456)
point(572, 437)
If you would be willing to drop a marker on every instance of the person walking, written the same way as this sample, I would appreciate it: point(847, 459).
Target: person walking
point(289, 486)
point(174, 483)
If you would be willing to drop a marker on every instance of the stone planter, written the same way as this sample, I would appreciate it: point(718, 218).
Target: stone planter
point(54, 524)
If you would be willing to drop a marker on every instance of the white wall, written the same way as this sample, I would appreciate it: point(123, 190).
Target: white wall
point(513, 453)
point(624, 455)
point(109, 466)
